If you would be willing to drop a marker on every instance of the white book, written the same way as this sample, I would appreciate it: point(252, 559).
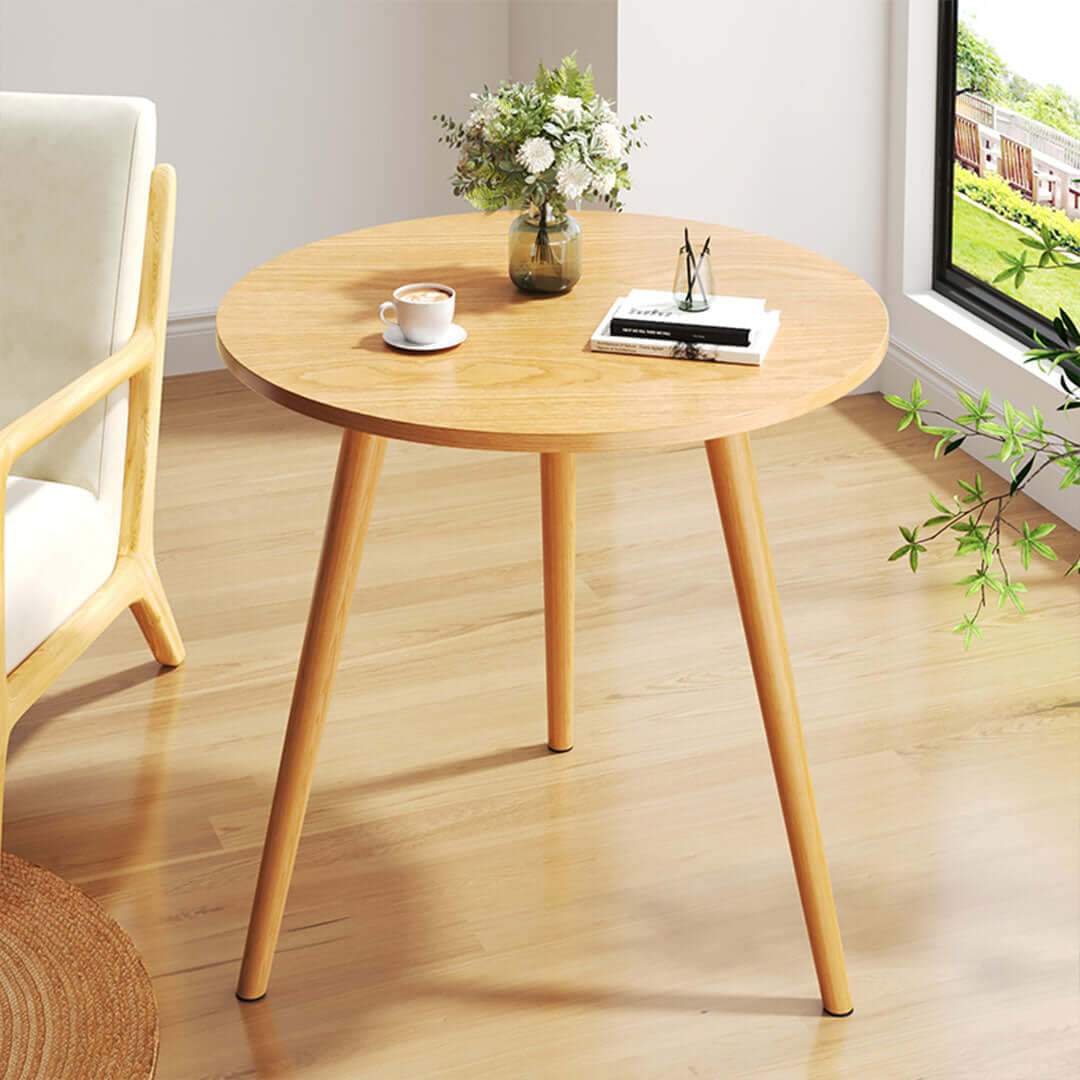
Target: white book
point(761, 338)
point(660, 306)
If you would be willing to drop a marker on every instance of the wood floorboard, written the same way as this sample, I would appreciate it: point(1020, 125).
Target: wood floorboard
point(468, 905)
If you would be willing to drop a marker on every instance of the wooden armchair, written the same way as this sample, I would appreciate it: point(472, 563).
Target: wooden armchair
point(967, 146)
point(1017, 167)
point(87, 223)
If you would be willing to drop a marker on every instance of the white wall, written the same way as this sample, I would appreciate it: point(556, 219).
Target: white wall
point(770, 116)
point(286, 120)
point(548, 30)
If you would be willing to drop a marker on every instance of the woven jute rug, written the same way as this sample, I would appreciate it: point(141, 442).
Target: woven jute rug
point(75, 999)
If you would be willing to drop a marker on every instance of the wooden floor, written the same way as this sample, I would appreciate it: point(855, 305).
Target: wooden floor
point(468, 905)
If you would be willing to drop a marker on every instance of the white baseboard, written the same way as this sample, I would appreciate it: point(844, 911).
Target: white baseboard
point(191, 344)
point(903, 365)
point(871, 386)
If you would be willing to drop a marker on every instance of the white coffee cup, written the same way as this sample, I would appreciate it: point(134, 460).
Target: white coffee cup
point(422, 317)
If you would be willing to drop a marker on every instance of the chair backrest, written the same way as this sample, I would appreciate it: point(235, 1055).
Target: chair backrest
point(74, 183)
point(1017, 167)
point(966, 143)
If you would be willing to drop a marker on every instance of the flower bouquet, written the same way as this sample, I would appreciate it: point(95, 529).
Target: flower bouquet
point(541, 146)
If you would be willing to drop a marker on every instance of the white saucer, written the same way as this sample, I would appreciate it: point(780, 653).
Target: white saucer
point(392, 335)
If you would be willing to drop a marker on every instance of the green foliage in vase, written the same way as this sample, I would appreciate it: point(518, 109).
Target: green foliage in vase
point(543, 144)
point(975, 519)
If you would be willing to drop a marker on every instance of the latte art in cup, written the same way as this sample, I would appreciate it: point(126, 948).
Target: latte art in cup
point(423, 311)
point(425, 296)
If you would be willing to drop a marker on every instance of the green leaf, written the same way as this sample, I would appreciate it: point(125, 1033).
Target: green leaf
point(1025, 552)
point(1011, 592)
point(1021, 475)
point(975, 491)
point(968, 628)
point(944, 442)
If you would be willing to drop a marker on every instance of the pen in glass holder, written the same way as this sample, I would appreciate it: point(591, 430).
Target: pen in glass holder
point(692, 290)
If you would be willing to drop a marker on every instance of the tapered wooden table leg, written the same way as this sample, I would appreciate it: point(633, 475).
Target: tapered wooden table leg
point(350, 511)
point(557, 500)
point(744, 531)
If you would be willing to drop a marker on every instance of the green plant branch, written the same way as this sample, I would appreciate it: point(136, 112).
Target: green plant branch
point(1022, 439)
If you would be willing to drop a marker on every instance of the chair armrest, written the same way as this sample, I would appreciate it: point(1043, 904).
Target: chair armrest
point(75, 398)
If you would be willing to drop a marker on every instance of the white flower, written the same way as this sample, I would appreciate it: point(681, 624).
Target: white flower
point(610, 141)
point(603, 182)
point(569, 105)
point(536, 154)
point(573, 178)
point(481, 118)
point(605, 112)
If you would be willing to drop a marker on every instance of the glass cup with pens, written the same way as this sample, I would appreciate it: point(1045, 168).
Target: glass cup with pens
point(693, 286)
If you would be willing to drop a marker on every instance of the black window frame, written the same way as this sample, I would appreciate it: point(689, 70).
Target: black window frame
point(972, 293)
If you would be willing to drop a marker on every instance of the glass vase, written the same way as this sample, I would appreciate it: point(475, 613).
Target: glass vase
point(545, 252)
point(693, 284)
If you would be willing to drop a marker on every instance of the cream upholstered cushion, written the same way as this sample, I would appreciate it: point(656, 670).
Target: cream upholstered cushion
point(74, 187)
point(58, 550)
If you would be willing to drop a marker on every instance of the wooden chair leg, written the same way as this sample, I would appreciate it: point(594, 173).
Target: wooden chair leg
point(358, 468)
point(155, 618)
point(4, 737)
point(735, 482)
point(557, 475)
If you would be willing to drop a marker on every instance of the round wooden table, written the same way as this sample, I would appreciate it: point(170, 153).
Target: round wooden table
point(302, 330)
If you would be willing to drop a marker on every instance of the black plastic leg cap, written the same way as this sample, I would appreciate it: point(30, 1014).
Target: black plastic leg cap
point(838, 1015)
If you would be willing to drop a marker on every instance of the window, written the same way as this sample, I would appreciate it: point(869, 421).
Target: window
point(1007, 179)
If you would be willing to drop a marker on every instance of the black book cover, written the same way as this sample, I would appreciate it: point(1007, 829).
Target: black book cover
point(665, 331)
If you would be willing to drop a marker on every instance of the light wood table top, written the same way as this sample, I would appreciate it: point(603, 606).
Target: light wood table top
point(303, 331)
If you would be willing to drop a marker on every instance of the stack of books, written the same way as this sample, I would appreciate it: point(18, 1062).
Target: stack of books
point(732, 330)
